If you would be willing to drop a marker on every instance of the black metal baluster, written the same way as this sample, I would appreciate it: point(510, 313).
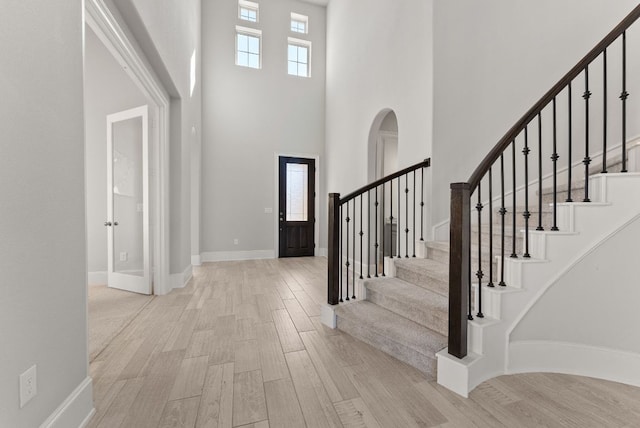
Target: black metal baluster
point(587, 160)
point(554, 159)
point(470, 294)
point(398, 231)
point(421, 202)
point(383, 220)
point(503, 212)
point(526, 213)
point(623, 96)
point(361, 234)
point(376, 227)
point(414, 213)
point(570, 142)
point(369, 234)
point(490, 283)
point(391, 243)
point(479, 273)
point(539, 173)
point(406, 215)
point(354, 249)
point(341, 242)
point(604, 112)
point(347, 264)
point(514, 255)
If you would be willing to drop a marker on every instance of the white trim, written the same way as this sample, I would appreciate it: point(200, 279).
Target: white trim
point(576, 359)
point(276, 203)
point(292, 41)
point(441, 231)
point(249, 32)
point(76, 410)
point(196, 260)
point(180, 280)
point(103, 23)
point(97, 278)
point(328, 316)
point(299, 18)
point(244, 4)
point(221, 256)
point(322, 252)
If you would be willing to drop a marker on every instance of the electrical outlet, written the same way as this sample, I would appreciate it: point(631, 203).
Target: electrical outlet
point(28, 386)
point(236, 241)
point(124, 256)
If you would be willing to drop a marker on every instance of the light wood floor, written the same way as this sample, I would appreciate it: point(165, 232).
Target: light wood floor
point(242, 345)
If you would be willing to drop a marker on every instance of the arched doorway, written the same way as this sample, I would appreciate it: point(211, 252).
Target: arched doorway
point(383, 145)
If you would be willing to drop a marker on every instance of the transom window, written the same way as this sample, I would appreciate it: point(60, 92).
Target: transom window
point(248, 47)
point(299, 23)
point(248, 11)
point(299, 57)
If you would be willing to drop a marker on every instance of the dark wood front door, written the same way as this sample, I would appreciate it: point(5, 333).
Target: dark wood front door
point(297, 206)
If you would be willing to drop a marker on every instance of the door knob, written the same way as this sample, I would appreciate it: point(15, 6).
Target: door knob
point(115, 223)
point(107, 223)
point(281, 219)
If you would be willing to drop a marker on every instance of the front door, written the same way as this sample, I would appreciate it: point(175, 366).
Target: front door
point(297, 207)
point(128, 201)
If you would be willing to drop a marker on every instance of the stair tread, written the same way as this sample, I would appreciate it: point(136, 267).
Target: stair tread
point(437, 272)
point(393, 327)
point(409, 293)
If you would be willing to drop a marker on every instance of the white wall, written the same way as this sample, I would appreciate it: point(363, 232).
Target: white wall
point(248, 116)
point(594, 304)
point(107, 90)
point(42, 208)
point(493, 60)
point(379, 57)
point(168, 32)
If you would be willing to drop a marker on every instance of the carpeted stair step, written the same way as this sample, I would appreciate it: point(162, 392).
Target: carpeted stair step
point(426, 273)
point(410, 301)
point(439, 251)
point(399, 337)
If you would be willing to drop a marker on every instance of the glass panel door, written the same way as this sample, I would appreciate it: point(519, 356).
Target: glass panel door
point(128, 190)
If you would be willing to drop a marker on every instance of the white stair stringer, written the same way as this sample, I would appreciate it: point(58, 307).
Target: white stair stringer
point(615, 201)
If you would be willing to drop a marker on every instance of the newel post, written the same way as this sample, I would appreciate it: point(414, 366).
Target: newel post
point(333, 250)
point(459, 241)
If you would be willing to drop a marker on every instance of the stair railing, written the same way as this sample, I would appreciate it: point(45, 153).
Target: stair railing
point(379, 220)
point(539, 125)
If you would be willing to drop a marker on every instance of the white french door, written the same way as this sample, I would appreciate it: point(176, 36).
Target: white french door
point(129, 261)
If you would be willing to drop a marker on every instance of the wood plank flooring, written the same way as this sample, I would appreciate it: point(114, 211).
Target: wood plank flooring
point(242, 346)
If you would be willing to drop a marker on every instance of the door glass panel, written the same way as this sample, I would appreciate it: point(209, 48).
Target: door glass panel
point(297, 191)
point(128, 195)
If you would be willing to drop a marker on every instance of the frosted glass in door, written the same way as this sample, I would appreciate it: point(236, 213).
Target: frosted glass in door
point(128, 197)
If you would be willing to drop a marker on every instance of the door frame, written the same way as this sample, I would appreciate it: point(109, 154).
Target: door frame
point(276, 199)
point(100, 19)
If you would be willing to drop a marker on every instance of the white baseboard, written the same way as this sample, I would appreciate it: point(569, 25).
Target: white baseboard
point(98, 278)
point(328, 316)
point(179, 280)
point(222, 256)
point(196, 260)
point(76, 411)
point(575, 359)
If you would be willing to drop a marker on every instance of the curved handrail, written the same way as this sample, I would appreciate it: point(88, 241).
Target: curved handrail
point(424, 164)
point(537, 108)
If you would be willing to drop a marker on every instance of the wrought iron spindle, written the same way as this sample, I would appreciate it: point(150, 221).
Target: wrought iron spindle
point(421, 202)
point(554, 159)
point(570, 142)
point(353, 286)
point(347, 264)
point(376, 227)
point(391, 243)
point(383, 221)
point(514, 255)
point(539, 173)
point(623, 96)
point(341, 242)
point(470, 294)
point(490, 283)
point(361, 235)
point(604, 112)
point(398, 231)
point(406, 215)
point(503, 212)
point(479, 273)
point(526, 214)
point(587, 160)
point(369, 233)
point(414, 213)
